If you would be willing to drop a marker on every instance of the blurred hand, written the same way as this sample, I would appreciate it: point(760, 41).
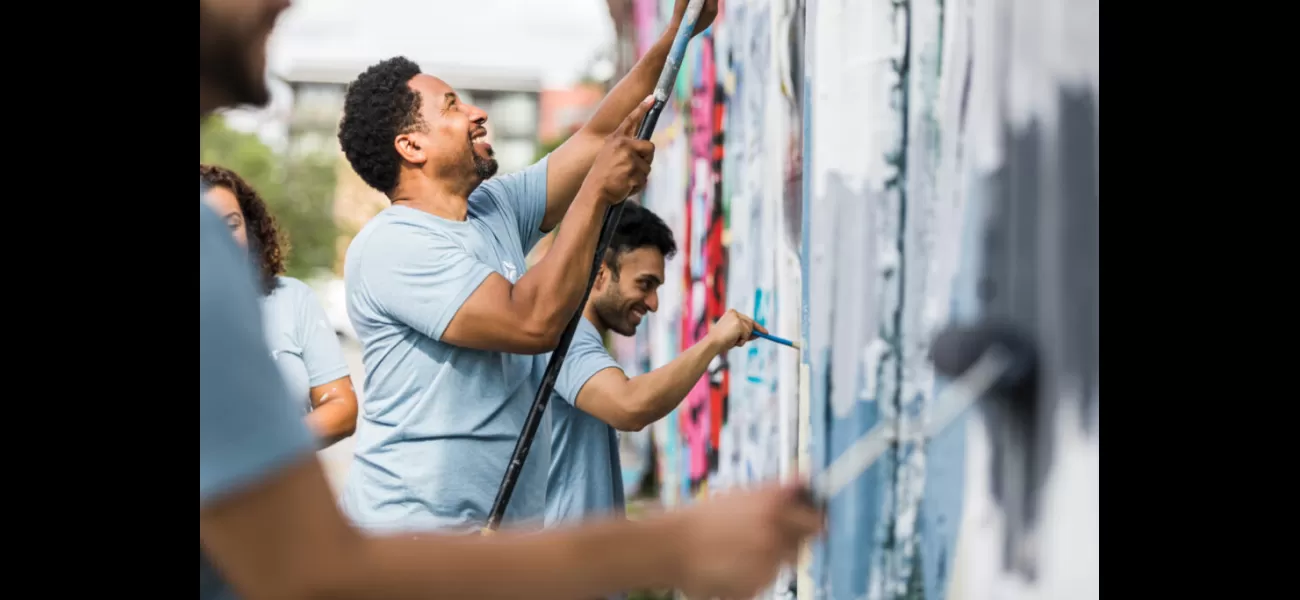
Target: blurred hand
point(621, 167)
point(736, 543)
point(734, 329)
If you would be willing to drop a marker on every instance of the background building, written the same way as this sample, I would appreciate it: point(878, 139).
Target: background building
point(564, 110)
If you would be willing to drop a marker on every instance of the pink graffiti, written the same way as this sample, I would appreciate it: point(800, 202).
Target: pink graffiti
point(695, 417)
point(695, 413)
point(702, 92)
point(645, 15)
point(695, 428)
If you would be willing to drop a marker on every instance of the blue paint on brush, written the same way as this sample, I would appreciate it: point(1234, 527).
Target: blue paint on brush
point(779, 340)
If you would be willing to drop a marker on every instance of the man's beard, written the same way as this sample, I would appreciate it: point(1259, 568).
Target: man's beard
point(611, 314)
point(224, 62)
point(484, 168)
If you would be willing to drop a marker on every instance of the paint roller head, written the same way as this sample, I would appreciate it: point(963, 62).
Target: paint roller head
point(957, 348)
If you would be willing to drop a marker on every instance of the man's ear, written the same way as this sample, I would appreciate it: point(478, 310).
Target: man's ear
point(410, 146)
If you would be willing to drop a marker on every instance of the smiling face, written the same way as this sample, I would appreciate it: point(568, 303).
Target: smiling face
point(622, 298)
point(453, 141)
point(223, 202)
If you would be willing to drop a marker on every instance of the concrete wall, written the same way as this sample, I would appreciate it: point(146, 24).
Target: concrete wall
point(909, 166)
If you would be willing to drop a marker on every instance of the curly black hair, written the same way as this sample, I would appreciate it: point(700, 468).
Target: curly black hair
point(638, 228)
point(264, 239)
point(378, 107)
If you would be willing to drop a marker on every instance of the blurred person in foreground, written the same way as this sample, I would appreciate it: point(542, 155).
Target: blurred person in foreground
point(594, 397)
point(450, 320)
point(266, 520)
point(302, 342)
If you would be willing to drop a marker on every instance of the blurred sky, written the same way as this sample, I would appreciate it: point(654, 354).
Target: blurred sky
point(555, 37)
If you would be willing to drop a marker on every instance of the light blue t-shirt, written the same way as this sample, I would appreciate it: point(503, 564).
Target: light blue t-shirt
point(302, 342)
point(586, 478)
point(247, 429)
point(438, 422)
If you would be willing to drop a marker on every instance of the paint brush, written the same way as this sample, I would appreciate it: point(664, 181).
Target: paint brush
point(780, 340)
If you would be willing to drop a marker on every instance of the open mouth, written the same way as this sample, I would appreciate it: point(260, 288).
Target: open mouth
point(479, 138)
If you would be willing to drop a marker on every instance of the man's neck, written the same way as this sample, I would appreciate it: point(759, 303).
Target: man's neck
point(589, 312)
point(422, 193)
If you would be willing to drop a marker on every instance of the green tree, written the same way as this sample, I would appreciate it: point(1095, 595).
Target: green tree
point(299, 192)
point(549, 146)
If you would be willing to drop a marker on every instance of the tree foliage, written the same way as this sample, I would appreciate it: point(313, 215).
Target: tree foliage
point(298, 191)
point(549, 146)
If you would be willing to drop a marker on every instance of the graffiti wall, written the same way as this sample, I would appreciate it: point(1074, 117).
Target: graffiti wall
point(728, 178)
point(862, 174)
point(705, 172)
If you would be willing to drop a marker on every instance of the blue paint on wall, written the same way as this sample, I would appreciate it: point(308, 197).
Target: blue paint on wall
point(853, 541)
point(946, 472)
point(757, 370)
point(815, 370)
point(941, 505)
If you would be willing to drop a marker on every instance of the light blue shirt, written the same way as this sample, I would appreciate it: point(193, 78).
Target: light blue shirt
point(586, 478)
point(302, 342)
point(438, 422)
point(247, 429)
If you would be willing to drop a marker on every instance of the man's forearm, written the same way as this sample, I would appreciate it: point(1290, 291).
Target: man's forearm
point(554, 286)
point(590, 561)
point(570, 162)
point(655, 394)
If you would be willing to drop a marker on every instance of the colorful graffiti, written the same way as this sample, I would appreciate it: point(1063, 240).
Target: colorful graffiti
point(729, 199)
point(697, 413)
point(861, 174)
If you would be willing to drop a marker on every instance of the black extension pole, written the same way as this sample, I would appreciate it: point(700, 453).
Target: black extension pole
point(543, 397)
point(612, 215)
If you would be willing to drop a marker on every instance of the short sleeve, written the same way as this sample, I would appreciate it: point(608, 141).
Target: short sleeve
point(321, 351)
point(521, 196)
point(247, 428)
point(587, 356)
point(420, 278)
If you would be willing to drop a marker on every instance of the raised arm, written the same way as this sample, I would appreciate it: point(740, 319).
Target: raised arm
point(632, 404)
point(529, 316)
point(570, 162)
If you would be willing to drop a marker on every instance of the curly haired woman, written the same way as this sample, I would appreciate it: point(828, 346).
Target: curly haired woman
point(302, 342)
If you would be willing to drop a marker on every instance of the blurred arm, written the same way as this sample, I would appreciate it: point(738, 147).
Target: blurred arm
point(285, 539)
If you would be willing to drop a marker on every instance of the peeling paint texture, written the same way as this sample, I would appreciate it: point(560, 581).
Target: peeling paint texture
point(862, 174)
